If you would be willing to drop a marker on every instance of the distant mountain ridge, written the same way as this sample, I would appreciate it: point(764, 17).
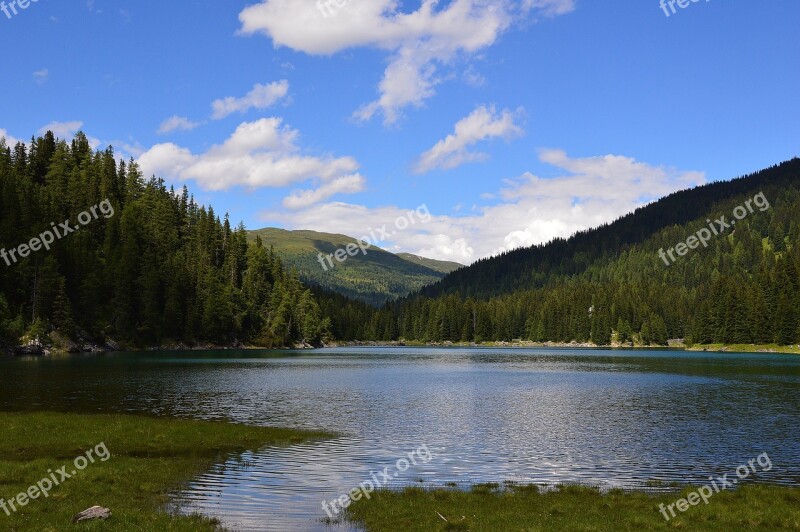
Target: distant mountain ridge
point(376, 277)
point(438, 265)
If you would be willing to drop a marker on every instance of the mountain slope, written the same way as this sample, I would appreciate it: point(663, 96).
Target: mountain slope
point(533, 267)
point(437, 265)
point(375, 277)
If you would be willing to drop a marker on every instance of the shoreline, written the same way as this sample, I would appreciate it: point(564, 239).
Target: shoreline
point(148, 460)
point(527, 507)
point(45, 350)
point(48, 349)
point(675, 345)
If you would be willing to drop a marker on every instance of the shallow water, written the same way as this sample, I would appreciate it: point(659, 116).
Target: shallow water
point(601, 417)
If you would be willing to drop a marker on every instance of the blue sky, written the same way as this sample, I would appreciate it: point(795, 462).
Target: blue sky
point(511, 122)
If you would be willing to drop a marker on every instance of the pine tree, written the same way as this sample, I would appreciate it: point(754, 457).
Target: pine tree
point(658, 330)
point(62, 312)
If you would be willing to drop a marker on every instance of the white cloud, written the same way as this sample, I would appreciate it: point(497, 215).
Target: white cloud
point(349, 184)
point(258, 154)
point(472, 77)
point(10, 140)
point(40, 76)
point(418, 42)
point(261, 97)
point(482, 124)
point(67, 131)
point(165, 160)
point(64, 130)
point(532, 210)
point(550, 8)
point(177, 123)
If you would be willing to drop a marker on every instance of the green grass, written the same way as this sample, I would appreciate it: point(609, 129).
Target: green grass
point(747, 348)
point(518, 508)
point(150, 457)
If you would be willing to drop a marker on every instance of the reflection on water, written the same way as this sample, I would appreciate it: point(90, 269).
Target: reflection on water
point(608, 418)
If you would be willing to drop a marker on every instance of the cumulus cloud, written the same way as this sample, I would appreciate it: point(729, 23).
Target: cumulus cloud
point(261, 97)
point(349, 184)
point(258, 154)
point(64, 130)
point(529, 210)
point(482, 124)
point(10, 139)
point(177, 123)
point(417, 43)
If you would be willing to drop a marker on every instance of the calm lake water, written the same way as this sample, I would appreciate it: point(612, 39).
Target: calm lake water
point(601, 417)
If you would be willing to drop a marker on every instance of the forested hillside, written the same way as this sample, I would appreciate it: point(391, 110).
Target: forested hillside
point(375, 277)
point(611, 283)
point(442, 266)
point(156, 267)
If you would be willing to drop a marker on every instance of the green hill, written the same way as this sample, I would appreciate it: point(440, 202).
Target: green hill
point(375, 277)
point(442, 266)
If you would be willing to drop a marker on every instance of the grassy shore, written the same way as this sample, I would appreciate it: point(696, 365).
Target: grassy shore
point(748, 348)
point(150, 457)
point(487, 508)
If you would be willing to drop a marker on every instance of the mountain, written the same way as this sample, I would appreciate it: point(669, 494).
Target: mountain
point(437, 265)
point(536, 266)
point(375, 276)
point(717, 264)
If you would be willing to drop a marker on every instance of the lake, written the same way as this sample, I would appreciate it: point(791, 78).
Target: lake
point(610, 418)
